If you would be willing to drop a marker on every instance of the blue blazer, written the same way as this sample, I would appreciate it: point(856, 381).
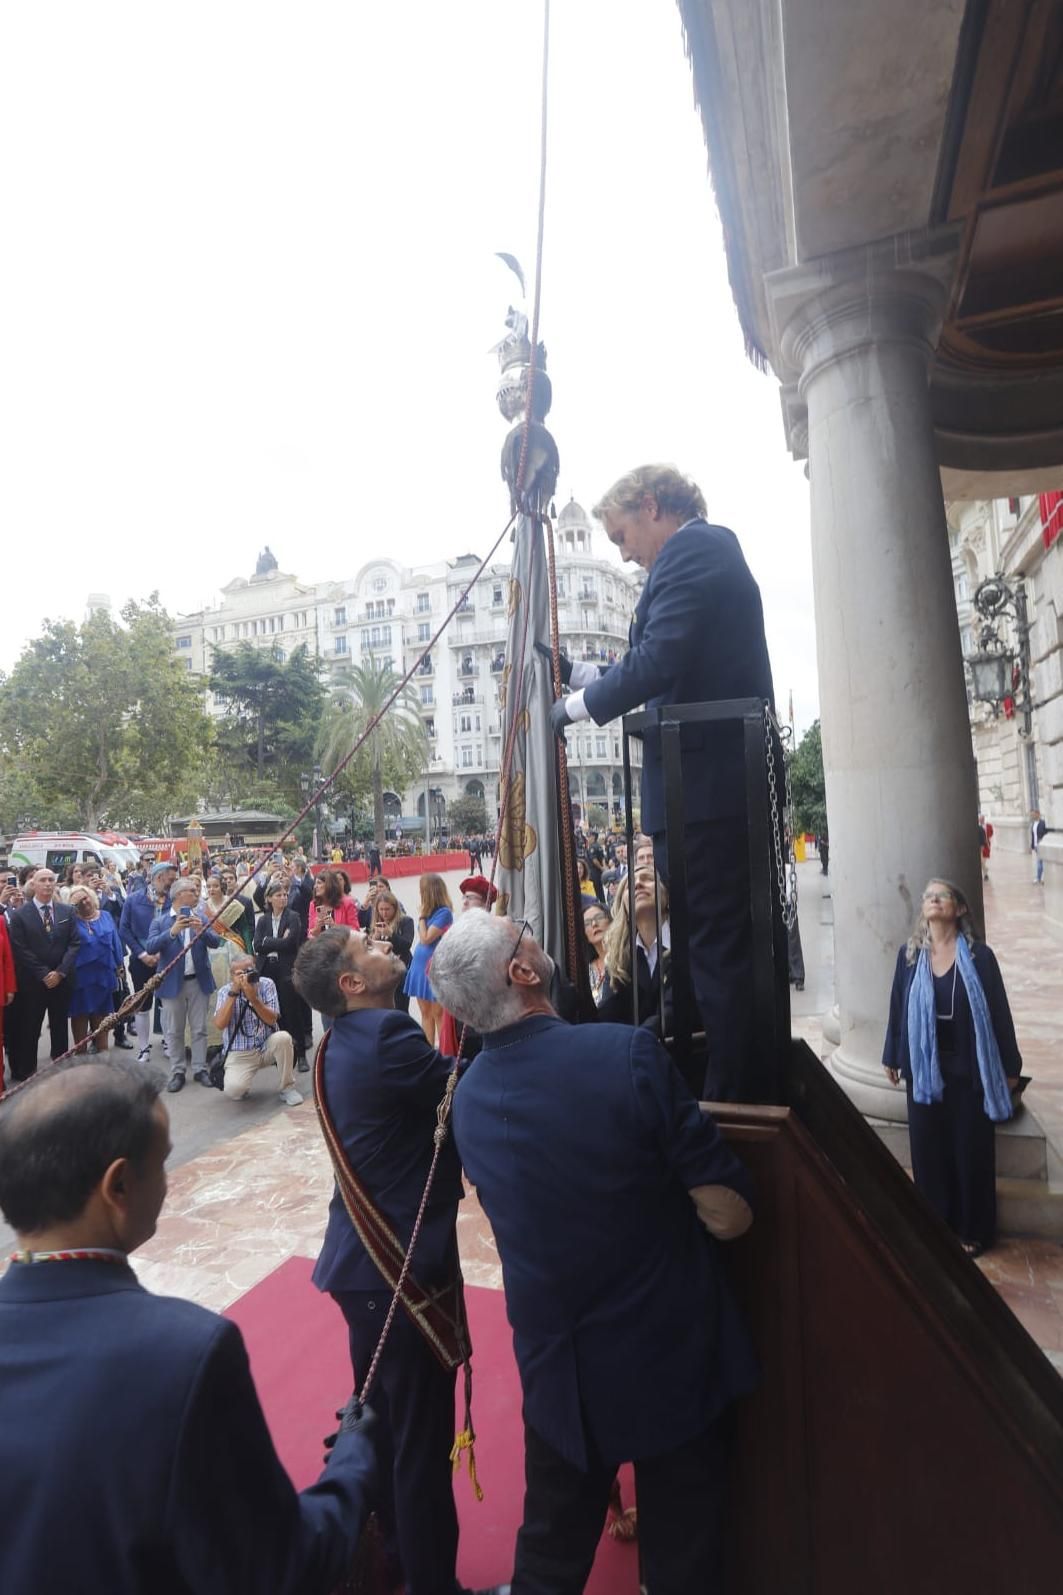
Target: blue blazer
point(895, 1053)
point(134, 1455)
point(697, 635)
point(583, 1144)
point(138, 911)
point(383, 1083)
point(160, 941)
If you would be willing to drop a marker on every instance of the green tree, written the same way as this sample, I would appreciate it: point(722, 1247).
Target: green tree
point(396, 751)
point(268, 732)
point(467, 816)
point(807, 784)
point(597, 817)
point(104, 721)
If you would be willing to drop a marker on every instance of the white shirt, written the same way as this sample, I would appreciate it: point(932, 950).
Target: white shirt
point(651, 952)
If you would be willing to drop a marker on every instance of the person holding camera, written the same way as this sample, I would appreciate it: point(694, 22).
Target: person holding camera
point(186, 988)
point(247, 1014)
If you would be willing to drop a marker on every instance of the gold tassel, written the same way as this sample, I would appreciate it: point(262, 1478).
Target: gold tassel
point(466, 1441)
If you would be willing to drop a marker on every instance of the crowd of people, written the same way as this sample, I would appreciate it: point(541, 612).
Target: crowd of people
point(73, 950)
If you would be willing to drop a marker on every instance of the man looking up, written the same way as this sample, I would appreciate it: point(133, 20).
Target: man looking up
point(134, 1456)
point(600, 1175)
point(44, 942)
point(378, 1084)
point(697, 635)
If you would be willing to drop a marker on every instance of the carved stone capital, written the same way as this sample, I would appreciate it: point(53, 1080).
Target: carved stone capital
point(892, 291)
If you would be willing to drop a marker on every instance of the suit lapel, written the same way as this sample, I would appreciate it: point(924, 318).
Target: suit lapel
point(638, 618)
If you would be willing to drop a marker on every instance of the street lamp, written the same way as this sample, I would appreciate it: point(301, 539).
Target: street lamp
point(1000, 675)
point(310, 781)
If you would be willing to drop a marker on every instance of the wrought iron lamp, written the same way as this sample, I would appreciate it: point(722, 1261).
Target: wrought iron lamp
point(1000, 675)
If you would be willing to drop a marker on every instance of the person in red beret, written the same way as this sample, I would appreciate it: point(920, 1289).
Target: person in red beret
point(477, 892)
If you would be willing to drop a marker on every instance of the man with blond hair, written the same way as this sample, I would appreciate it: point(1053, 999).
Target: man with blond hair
point(697, 635)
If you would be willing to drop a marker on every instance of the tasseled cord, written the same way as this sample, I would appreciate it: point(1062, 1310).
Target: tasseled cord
point(466, 1440)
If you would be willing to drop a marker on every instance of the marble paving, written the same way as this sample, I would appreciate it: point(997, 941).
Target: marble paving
point(236, 1212)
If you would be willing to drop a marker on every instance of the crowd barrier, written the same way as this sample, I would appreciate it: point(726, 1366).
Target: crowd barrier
point(411, 864)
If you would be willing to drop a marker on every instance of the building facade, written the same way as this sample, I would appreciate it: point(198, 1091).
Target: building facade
point(391, 612)
point(1018, 539)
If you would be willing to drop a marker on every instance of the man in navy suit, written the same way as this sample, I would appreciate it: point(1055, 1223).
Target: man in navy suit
point(44, 940)
point(697, 635)
point(600, 1177)
point(381, 1084)
point(134, 1455)
point(186, 989)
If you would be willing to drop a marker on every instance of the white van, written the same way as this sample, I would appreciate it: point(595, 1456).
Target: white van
point(57, 850)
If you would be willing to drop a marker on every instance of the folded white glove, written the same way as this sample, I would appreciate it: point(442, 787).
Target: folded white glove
point(583, 673)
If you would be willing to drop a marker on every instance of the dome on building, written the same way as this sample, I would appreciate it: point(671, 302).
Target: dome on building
point(574, 529)
point(573, 514)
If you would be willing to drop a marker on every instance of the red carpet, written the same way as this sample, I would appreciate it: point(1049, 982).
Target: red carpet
point(297, 1343)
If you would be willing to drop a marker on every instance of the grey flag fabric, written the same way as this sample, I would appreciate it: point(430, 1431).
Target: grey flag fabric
point(529, 847)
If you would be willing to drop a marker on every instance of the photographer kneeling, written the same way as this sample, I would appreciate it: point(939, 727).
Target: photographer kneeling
point(247, 1014)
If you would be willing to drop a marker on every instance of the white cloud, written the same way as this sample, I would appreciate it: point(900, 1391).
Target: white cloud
point(249, 289)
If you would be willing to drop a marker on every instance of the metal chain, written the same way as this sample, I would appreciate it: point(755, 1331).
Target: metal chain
point(787, 887)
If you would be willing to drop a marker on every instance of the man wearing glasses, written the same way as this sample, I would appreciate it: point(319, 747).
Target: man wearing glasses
point(600, 1176)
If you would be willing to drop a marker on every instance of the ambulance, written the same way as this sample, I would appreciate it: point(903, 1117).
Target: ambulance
point(57, 850)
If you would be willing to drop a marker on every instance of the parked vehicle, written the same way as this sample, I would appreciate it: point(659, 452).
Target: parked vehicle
point(57, 850)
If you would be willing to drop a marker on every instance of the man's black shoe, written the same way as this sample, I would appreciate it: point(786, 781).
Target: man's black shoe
point(122, 1044)
point(202, 1075)
point(301, 1064)
point(176, 1082)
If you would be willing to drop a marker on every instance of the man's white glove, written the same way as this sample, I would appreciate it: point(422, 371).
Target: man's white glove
point(583, 673)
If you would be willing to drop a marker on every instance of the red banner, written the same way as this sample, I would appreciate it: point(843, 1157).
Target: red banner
point(411, 864)
point(1051, 517)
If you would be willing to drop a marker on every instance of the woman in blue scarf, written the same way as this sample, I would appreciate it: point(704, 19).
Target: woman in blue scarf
point(952, 1040)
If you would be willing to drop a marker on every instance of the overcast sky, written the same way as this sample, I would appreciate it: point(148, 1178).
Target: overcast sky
point(248, 290)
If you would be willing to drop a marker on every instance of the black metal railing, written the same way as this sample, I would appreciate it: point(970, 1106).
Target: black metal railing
point(771, 986)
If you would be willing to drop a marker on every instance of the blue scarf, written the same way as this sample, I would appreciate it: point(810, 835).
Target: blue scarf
point(927, 1084)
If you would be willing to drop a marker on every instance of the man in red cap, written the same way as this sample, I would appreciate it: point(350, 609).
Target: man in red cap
point(477, 892)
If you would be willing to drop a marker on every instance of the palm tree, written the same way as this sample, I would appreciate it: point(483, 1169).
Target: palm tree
point(396, 749)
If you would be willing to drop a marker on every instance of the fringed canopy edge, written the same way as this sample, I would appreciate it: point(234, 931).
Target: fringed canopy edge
point(700, 45)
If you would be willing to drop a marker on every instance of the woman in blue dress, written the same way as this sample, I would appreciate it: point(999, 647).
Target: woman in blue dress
point(436, 918)
point(100, 955)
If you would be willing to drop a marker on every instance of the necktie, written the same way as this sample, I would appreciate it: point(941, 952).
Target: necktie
point(46, 915)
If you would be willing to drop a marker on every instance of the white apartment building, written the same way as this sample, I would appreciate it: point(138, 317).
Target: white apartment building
point(1018, 539)
point(392, 612)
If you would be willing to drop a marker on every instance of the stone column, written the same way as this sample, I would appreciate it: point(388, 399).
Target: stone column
point(858, 332)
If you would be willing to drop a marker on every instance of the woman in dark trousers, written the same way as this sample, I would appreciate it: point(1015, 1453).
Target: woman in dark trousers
point(278, 937)
point(952, 1040)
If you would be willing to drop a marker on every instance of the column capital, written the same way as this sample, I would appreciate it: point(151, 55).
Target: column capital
point(893, 290)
